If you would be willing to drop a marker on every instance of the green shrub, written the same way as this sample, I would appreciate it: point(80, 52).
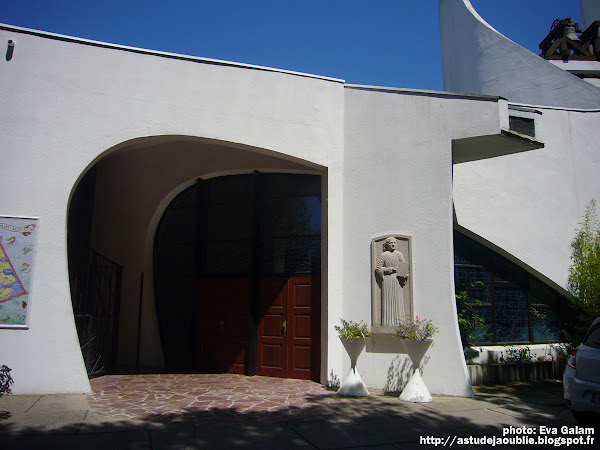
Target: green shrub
point(584, 275)
point(351, 329)
point(516, 355)
point(469, 317)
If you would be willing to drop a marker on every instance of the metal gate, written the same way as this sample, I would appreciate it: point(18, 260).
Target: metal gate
point(96, 307)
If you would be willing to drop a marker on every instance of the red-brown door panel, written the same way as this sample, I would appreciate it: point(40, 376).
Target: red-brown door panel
point(224, 324)
point(271, 345)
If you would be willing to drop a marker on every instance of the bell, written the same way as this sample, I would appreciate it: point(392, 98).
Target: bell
point(570, 33)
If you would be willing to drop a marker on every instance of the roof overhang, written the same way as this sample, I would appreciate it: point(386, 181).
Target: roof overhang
point(506, 142)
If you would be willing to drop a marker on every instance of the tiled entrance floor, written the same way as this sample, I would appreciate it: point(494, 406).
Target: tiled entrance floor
point(208, 397)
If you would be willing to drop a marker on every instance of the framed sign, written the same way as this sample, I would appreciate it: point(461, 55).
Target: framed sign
point(18, 238)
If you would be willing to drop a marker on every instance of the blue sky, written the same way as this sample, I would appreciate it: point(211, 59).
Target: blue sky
point(376, 42)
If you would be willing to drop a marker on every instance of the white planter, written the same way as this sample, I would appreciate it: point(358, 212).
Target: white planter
point(353, 385)
point(415, 390)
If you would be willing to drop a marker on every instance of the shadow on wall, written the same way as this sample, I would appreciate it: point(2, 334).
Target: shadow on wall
point(401, 368)
point(399, 373)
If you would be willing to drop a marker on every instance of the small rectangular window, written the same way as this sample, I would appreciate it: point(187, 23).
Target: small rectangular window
point(522, 125)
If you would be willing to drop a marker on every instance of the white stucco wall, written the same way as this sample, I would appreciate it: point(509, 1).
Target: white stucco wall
point(503, 200)
point(478, 59)
point(590, 11)
point(530, 204)
point(398, 179)
point(65, 103)
point(385, 157)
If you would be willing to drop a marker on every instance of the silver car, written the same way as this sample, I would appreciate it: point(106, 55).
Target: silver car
point(581, 379)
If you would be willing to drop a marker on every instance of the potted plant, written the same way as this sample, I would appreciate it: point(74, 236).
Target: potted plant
point(351, 329)
point(416, 330)
point(416, 336)
point(353, 335)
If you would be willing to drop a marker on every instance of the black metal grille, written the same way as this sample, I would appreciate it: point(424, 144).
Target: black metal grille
point(96, 310)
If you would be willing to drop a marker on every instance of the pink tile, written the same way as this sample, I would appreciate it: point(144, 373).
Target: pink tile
point(188, 397)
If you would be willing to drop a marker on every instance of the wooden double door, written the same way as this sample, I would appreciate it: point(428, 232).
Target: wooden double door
point(237, 264)
point(280, 338)
point(224, 325)
point(289, 327)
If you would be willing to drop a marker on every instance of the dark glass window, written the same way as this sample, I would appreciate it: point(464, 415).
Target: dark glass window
point(285, 211)
point(475, 280)
point(291, 224)
point(291, 255)
point(484, 332)
point(292, 216)
point(546, 326)
point(515, 307)
point(233, 227)
point(522, 125)
point(226, 216)
point(511, 315)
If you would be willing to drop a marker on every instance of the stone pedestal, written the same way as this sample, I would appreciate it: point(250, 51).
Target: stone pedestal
point(353, 385)
point(415, 390)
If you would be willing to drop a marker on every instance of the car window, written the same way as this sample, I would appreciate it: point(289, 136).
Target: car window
point(593, 337)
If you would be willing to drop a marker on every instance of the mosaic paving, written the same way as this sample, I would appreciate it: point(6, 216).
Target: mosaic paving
point(208, 397)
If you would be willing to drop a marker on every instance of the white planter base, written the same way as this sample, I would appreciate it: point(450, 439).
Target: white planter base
point(353, 385)
point(415, 390)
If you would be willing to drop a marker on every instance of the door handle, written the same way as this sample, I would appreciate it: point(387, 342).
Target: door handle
point(284, 326)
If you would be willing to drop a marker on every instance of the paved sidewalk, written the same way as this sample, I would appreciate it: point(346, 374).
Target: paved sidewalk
point(318, 418)
point(209, 398)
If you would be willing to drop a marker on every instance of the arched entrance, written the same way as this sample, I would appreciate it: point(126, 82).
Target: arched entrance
point(95, 284)
point(237, 264)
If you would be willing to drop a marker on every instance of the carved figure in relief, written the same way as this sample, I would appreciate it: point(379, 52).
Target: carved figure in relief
point(392, 270)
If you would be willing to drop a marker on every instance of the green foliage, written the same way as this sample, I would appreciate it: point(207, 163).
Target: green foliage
point(542, 316)
point(469, 319)
point(584, 273)
point(543, 327)
point(418, 329)
point(351, 329)
point(516, 355)
point(559, 352)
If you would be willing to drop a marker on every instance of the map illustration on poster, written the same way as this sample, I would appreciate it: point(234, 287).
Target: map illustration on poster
point(17, 255)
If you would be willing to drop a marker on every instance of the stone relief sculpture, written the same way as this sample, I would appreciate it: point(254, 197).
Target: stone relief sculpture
point(393, 272)
point(392, 299)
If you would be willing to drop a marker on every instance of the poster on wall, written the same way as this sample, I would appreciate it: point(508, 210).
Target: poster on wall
point(17, 257)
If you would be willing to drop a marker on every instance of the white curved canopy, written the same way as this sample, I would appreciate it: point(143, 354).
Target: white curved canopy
point(477, 59)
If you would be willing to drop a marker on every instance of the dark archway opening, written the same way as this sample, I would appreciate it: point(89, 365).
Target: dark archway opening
point(237, 264)
point(95, 283)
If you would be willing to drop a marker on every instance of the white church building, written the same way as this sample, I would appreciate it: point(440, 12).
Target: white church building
point(162, 212)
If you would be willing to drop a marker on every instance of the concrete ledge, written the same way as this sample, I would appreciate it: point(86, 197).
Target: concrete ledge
point(506, 142)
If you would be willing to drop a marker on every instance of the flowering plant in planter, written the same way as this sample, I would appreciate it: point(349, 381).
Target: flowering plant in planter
point(417, 330)
point(351, 329)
